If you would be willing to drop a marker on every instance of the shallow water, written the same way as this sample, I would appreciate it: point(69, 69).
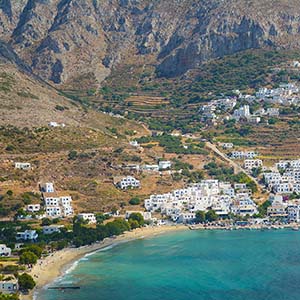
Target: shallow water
point(198, 265)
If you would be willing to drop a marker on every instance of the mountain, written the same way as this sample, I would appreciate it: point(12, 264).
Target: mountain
point(76, 42)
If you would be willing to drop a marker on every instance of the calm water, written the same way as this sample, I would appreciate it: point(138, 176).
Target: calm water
point(209, 265)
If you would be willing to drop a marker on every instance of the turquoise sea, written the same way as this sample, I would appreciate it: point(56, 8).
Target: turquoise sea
point(198, 265)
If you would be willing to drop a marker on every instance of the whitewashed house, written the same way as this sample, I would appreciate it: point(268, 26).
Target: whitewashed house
point(27, 235)
point(249, 164)
point(4, 250)
point(89, 217)
point(33, 208)
point(164, 164)
point(47, 187)
point(9, 287)
point(52, 229)
point(58, 205)
point(127, 182)
point(22, 166)
point(293, 212)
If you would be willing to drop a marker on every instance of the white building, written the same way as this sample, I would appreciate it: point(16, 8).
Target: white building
point(55, 124)
point(242, 113)
point(164, 164)
point(52, 229)
point(27, 235)
point(205, 195)
point(5, 251)
point(33, 208)
point(127, 182)
point(47, 187)
point(58, 205)
point(22, 166)
point(293, 212)
point(89, 217)
point(243, 154)
point(252, 163)
point(134, 143)
point(227, 146)
point(186, 217)
point(9, 287)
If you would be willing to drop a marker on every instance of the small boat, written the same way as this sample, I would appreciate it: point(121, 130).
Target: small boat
point(295, 228)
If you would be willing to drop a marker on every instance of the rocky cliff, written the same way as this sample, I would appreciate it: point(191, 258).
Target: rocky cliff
point(66, 41)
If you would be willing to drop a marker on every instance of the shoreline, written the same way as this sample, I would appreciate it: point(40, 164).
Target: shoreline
point(54, 266)
point(57, 264)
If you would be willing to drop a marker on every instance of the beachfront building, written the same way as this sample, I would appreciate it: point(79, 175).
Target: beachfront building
point(126, 182)
point(27, 235)
point(22, 166)
point(277, 211)
point(293, 211)
point(202, 196)
point(9, 286)
point(4, 250)
point(286, 182)
point(250, 164)
point(90, 218)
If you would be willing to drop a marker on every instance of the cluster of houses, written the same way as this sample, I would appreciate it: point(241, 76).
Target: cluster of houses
point(243, 114)
point(285, 94)
point(286, 180)
point(209, 111)
point(181, 205)
point(283, 208)
point(283, 182)
point(57, 205)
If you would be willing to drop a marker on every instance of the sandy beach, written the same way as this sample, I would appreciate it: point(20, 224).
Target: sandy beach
point(53, 266)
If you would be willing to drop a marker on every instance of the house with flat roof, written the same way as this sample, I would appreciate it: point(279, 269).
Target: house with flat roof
point(4, 250)
point(9, 287)
point(27, 235)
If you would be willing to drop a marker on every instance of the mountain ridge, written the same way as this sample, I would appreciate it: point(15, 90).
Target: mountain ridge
point(63, 40)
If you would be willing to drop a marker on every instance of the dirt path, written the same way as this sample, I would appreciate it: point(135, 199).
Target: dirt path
point(236, 167)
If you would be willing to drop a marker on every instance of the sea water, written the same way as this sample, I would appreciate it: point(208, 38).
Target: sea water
point(197, 265)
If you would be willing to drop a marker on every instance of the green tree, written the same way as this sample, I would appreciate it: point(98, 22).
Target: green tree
point(72, 155)
point(26, 282)
point(211, 216)
point(46, 222)
point(137, 217)
point(135, 201)
point(37, 250)
point(28, 258)
point(200, 216)
point(133, 224)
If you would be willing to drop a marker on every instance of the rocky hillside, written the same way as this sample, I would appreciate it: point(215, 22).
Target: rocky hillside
point(80, 41)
